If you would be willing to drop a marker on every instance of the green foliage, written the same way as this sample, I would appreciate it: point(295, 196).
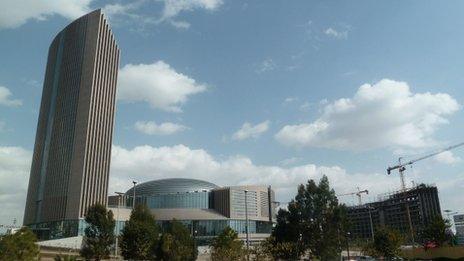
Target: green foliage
point(260, 252)
point(386, 244)
point(269, 249)
point(227, 247)
point(314, 222)
point(139, 237)
point(438, 231)
point(19, 246)
point(177, 244)
point(99, 235)
point(65, 258)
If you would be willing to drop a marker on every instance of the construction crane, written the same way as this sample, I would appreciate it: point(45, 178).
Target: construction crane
point(357, 193)
point(402, 165)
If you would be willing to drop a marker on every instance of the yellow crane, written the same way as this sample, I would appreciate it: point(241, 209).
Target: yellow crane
point(357, 193)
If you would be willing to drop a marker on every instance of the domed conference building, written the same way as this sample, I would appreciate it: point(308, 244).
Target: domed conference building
point(205, 208)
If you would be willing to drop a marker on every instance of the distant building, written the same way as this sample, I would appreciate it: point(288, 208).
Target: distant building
point(392, 211)
point(459, 225)
point(205, 208)
point(72, 152)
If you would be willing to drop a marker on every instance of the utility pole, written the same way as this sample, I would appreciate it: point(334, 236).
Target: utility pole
point(133, 200)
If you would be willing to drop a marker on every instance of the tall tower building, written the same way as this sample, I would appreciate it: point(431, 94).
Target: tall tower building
point(72, 152)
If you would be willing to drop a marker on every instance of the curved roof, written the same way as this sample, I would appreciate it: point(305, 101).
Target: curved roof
point(170, 186)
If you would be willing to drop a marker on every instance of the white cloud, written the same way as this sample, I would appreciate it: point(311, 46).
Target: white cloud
point(290, 100)
point(157, 84)
point(111, 10)
point(165, 128)
point(14, 174)
point(336, 34)
point(181, 24)
point(306, 106)
point(266, 66)
point(14, 13)
point(383, 115)
point(251, 131)
point(447, 157)
point(144, 163)
point(173, 7)
point(290, 161)
point(5, 99)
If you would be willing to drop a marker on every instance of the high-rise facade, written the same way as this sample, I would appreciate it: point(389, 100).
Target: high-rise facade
point(415, 207)
point(459, 226)
point(72, 152)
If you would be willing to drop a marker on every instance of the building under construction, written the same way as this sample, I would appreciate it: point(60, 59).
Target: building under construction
point(393, 210)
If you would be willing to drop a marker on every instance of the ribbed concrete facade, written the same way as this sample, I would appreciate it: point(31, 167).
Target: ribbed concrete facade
point(72, 152)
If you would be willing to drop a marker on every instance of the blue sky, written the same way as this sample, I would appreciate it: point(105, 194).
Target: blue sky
point(260, 92)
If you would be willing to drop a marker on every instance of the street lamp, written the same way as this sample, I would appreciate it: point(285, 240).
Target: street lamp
point(372, 223)
point(133, 200)
point(120, 195)
point(246, 225)
point(348, 244)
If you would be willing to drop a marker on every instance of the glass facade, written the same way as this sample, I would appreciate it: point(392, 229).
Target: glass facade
point(205, 230)
point(58, 229)
point(180, 200)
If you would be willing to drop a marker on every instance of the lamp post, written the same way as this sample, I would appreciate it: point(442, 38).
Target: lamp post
point(246, 225)
point(120, 194)
point(348, 244)
point(133, 200)
point(372, 223)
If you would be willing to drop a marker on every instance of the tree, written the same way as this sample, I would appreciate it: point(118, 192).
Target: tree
point(270, 249)
point(19, 246)
point(177, 244)
point(60, 257)
point(99, 234)
point(139, 238)
point(227, 247)
point(386, 243)
point(437, 231)
point(314, 222)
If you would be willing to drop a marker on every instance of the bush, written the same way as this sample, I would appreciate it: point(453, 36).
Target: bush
point(139, 238)
point(227, 247)
point(177, 244)
point(19, 246)
point(99, 235)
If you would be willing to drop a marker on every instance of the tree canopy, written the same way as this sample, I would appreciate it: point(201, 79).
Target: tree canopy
point(315, 222)
point(99, 234)
point(227, 247)
point(19, 246)
point(139, 238)
point(177, 244)
point(386, 243)
point(437, 231)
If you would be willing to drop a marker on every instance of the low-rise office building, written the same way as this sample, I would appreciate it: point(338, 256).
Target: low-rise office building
point(459, 225)
point(205, 208)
